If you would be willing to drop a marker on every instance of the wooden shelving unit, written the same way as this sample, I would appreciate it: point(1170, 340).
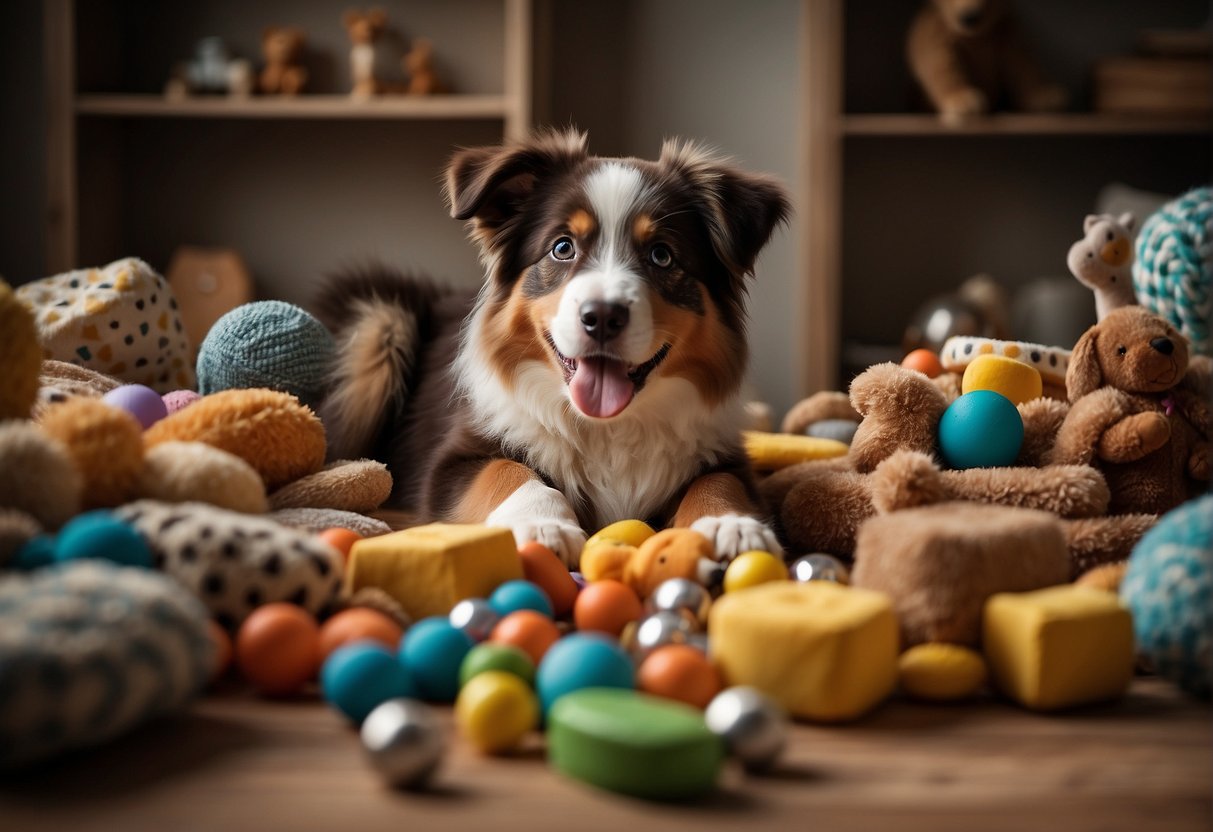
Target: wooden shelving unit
point(298, 107)
point(1020, 124)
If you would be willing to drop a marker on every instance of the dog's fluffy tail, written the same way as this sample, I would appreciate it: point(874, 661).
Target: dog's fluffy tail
point(378, 318)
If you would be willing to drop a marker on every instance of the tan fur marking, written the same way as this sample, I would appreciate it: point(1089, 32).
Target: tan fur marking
point(704, 352)
point(495, 482)
point(643, 228)
point(513, 334)
point(711, 496)
point(581, 223)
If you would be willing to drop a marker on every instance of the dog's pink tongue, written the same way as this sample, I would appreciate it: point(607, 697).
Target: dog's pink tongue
point(601, 387)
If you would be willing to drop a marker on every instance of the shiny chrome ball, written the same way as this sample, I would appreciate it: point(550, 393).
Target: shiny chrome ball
point(404, 741)
point(681, 594)
point(753, 726)
point(475, 617)
point(820, 567)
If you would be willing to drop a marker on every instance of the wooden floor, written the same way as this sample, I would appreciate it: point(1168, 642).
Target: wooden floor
point(236, 762)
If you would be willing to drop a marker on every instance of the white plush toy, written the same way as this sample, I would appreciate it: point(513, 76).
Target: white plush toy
point(1103, 260)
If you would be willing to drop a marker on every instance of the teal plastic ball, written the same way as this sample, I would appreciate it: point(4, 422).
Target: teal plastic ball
point(358, 677)
point(35, 553)
point(433, 650)
point(583, 660)
point(982, 429)
point(513, 596)
point(98, 535)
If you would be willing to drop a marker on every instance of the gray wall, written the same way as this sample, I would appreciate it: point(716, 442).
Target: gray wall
point(22, 138)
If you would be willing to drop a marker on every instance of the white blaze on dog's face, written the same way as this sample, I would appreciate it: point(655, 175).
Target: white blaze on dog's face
point(612, 275)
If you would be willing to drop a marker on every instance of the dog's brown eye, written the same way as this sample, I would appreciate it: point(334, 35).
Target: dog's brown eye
point(564, 249)
point(661, 257)
point(1122, 350)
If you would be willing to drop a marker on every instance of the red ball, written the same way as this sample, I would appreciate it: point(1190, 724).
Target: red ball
point(278, 648)
point(606, 606)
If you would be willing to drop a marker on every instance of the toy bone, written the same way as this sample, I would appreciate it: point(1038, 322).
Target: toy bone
point(1103, 260)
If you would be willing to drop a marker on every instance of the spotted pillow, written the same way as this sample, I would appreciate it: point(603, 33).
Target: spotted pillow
point(236, 562)
point(121, 320)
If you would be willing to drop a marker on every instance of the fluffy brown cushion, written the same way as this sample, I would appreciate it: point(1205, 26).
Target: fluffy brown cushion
point(359, 485)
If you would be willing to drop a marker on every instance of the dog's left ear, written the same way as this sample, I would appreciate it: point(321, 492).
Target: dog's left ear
point(742, 209)
point(1084, 375)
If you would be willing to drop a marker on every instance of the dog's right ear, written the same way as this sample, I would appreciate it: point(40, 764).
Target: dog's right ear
point(1084, 375)
point(489, 186)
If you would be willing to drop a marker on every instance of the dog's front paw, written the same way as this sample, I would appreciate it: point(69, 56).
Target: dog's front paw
point(733, 534)
point(565, 539)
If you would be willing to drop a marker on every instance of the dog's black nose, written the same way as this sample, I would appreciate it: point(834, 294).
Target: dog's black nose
point(971, 18)
point(602, 320)
point(1164, 345)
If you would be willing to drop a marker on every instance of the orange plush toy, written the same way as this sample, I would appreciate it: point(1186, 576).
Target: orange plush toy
point(284, 73)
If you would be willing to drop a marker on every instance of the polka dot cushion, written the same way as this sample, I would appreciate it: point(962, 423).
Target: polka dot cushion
point(121, 320)
point(960, 350)
point(236, 562)
point(1169, 589)
point(89, 650)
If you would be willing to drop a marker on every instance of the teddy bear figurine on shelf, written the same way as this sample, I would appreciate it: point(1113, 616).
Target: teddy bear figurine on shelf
point(365, 30)
point(284, 72)
point(968, 56)
point(418, 64)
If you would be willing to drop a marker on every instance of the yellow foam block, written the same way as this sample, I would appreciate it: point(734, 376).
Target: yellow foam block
point(429, 569)
point(1017, 381)
point(823, 651)
point(772, 451)
point(1058, 647)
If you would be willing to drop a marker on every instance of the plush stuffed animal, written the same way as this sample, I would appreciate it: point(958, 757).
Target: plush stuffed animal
point(284, 73)
point(673, 553)
point(364, 29)
point(969, 57)
point(1103, 261)
point(419, 66)
point(1138, 412)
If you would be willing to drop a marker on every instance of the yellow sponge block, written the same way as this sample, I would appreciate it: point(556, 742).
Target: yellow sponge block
point(429, 569)
point(823, 651)
point(1059, 647)
point(772, 451)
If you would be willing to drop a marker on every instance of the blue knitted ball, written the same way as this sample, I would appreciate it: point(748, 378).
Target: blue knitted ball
point(268, 344)
point(1173, 270)
point(1169, 589)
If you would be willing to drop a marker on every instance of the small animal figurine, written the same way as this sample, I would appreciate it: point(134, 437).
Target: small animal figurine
point(364, 29)
point(1103, 260)
point(419, 66)
point(284, 73)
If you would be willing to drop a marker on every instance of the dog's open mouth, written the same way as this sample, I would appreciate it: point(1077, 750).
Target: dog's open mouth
point(602, 386)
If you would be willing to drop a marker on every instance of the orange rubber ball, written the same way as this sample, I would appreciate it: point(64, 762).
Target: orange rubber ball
point(607, 606)
point(924, 361)
point(356, 624)
point(541, 567)
point(278, 648)
point(530, 631)
point(681, 672)
point(340, 539)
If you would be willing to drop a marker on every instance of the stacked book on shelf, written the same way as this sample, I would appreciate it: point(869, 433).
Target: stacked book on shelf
point(1171, 75)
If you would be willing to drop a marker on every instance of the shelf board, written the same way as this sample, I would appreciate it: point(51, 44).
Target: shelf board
point(298, 107)
point(1023, 124)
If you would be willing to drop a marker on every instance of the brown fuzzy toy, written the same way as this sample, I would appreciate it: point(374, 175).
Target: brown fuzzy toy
point(1138, 412)
point(104, 443)
point(284, 72)
point(969, 58)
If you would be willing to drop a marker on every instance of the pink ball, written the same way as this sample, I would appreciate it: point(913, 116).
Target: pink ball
point(143, 403)
point(179, 399)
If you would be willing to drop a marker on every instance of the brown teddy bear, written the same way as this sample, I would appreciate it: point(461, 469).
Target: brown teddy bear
point(418, 64)
point(1139, 411)
point(284, 73)
point(969, 57)
point(821, 505)
point(364, 30)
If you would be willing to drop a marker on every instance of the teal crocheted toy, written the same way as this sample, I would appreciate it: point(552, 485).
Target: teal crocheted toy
point(268, 344)
point(1173, 274)
point(1169, 589)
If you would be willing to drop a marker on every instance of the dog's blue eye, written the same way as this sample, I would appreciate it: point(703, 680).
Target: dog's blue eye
point(564, 249)
point(661, 257)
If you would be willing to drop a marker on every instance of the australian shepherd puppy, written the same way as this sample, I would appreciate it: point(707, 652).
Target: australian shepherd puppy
point(597, 374)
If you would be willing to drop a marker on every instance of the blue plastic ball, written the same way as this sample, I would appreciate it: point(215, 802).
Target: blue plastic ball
point(35, 553)
point(433, 650)
point(144, 403)
point(513, 596)
point(357, 677)
point(98, 535)
point(982, 429)
point(582, 660)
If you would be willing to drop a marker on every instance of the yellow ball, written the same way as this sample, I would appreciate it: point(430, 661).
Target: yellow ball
point(631, 532)
point(495, 710)
point(1018, 382)
point(753, 568)
point(941, 672)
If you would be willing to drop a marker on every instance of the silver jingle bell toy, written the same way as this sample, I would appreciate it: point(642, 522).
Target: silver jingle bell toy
point(820, 567)
point(753, 726)
point(404, 741)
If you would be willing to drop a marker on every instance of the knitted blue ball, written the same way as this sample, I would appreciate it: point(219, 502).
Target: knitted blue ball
point(266, 344)
point(1169, 589)
point(1173, 270)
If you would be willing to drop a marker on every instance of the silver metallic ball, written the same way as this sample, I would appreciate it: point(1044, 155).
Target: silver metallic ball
point(820, 567)
point(753, 726)
point(681, 594)
point(404, 741)
point(658, 630)
point(475, 617)
point(699, 641)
